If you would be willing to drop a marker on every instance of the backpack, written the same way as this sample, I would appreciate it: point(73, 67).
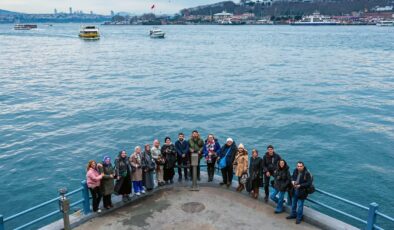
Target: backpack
point(311, 188)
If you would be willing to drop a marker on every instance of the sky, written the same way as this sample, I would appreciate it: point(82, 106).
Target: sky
point(101, 6)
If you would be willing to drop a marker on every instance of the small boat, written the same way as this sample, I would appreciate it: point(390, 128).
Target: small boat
point(89, 33)
point(25, 26)
point(385, 23)
point(156, 33)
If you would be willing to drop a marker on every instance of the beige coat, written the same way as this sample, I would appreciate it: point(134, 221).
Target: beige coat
point(135, 162)
point(241, 163)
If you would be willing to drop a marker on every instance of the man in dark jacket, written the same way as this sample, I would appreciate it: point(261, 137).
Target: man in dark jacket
point(182, 150)
point(196, 145)
point(228, 151)
point(270, 163)
point(301, 180)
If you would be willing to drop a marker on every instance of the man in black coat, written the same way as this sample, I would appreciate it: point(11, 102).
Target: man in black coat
point(182, 150)
point(301, 180)
point(270, 163)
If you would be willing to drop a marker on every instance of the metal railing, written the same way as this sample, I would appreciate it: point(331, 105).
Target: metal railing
point(85, 201)
point(370, 222)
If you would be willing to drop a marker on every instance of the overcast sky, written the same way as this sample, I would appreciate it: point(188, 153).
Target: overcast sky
point(100, 6)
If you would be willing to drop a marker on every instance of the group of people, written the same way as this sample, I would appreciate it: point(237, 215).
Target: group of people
point(137, 171)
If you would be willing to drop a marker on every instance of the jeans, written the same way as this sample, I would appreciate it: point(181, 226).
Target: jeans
point(279, 201)
point(137, 185)
point(96, 197)
point(297, 206)
point(227, 174)
point(182, 162)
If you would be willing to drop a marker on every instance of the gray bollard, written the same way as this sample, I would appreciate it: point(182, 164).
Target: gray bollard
point(194, 164)
point(64, 206)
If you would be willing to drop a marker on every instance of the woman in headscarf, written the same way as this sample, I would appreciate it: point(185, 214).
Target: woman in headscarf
point(156, 155)
point(241, 165)
point(255, 173)
point(210, 151)
point(136, 174)
point(169, 154)
point(123, 183)
point(148, 168)
point(93, 179)
point(107, 182)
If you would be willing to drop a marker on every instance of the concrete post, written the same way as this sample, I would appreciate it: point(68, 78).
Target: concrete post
point(373, 207)
point(86, 199)
point(64, 205)
point(194, 164)
point(1, 222)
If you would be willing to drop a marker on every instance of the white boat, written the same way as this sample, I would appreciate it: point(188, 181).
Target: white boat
point(316, 20)
point(385, 23)
point(89, 32)
point(25, 26)
point(156, 33)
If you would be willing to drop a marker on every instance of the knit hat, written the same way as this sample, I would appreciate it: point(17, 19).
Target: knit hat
point(229, 139)
point(241, 146)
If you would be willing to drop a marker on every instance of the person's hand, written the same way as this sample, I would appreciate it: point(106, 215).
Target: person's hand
point(192, 150)
point(111, 176)
point(267, 174)
point(118, 178)
point(99, 165)
point(183, 155)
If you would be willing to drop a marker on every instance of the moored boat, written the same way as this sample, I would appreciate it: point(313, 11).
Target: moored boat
point(385, 23)
point(316, 20)
point(89, 32)
point(25, 26)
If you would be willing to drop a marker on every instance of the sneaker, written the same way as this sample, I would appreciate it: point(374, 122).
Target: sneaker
point(138, 194)
point(99, 211)
point(290, 217)
point(143, 191)
point(298, 221)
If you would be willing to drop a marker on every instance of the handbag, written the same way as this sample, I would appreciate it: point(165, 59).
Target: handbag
point(243, 178)
point(223, 162)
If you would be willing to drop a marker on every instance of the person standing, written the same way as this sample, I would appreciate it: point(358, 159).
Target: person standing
point(93, 179)
point(210, 152)
point(148, 168)
point(107, 182)
point(182, 150)
point(136, 171)
point(282, 180)
point(270, 162)
point(301, 180)
point(241, 165)
point(156, 155)
point(227, 152)
point(255, 173)
point(196, 145)
point(169, 155)
point(123, 174)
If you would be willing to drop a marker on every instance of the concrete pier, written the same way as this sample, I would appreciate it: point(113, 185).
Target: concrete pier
point(179, 208)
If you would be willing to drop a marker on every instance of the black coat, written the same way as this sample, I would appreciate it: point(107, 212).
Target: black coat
point(305, 182)
point(169, 154)
point(282, 178)
point(255, 168)
point(231, 155)
point(270, 163)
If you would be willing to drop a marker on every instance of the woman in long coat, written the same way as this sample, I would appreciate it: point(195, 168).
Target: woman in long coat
point(169, 154)
point(107, 182)
point(123, 183)
point(148, 168)
point(241, 165)
point(136, 174)
point(255, 173)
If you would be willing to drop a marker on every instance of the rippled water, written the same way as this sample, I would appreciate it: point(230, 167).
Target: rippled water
point(324, 95)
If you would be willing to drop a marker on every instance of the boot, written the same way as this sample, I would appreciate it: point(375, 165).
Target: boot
point(241, 188)
point(238, 188)
point(256, 193)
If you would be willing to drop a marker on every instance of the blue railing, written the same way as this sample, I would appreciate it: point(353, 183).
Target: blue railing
point(372, 210)
point(85, 201)
point(370, 222)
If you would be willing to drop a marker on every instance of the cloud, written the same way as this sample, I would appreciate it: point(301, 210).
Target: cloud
point(100, 6)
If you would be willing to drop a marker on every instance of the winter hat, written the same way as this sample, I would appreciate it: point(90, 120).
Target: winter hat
point(229, 139)
point(241, 146)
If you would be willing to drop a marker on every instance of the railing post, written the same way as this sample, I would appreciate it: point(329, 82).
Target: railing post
point(1, 222)
point(85, 196)
point(373, 207)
